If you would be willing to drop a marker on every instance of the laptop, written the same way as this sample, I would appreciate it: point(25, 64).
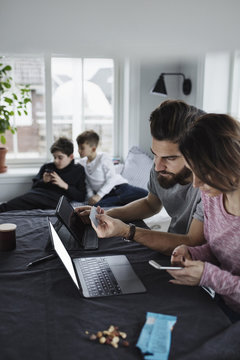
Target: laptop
point(72, 231)
point(100, 275)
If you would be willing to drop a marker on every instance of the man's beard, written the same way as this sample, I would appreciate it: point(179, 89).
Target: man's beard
point(173, 179)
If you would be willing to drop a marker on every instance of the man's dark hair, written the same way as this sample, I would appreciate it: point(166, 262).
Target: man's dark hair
point(89, 136)
point(171, 119)
point(64, 145)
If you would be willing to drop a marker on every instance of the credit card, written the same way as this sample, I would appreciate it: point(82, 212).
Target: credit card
point(92, 216)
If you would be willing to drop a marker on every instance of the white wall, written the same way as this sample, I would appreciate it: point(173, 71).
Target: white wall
point(147, 74)
point(15, 182)
point(194, 70)
point(148, 101)
point(139, 28)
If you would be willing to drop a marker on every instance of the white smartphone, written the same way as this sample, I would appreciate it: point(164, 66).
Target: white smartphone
point(160, 267)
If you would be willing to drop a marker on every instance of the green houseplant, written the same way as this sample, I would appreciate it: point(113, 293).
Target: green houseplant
point(13, 99)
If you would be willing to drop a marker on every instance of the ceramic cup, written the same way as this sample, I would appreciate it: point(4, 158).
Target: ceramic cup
point(7, 237)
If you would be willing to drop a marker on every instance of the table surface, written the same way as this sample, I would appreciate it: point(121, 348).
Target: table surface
point(44, 316)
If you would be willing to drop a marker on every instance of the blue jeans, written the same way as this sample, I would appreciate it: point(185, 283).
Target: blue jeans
point(122, 195)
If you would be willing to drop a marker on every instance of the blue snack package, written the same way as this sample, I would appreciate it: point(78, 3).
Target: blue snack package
point(155, 337)
point(146, 331)
point(160, 339)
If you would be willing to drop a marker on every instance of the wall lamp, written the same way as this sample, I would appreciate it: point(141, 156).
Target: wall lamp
point(160, 88)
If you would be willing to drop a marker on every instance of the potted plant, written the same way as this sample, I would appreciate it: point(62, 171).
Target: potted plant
point(13, 99)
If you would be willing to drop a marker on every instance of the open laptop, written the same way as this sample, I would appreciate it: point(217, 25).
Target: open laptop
point(71, 229)
point(100, 275)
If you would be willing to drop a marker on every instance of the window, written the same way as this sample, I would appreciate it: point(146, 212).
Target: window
point(216, 82)
point(222, 83)
point(235, 90)
point(29, 142)
point(81, 98)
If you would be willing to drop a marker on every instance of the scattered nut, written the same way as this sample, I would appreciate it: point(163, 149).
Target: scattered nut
point(112, 336)
point(102, 340)
point(108, 340)
point(115, 339)
point(114, 345)
point(123, 334)
point(106, 332)
point(93, 337)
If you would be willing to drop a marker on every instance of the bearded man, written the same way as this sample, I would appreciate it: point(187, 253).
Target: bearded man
point(170, 186)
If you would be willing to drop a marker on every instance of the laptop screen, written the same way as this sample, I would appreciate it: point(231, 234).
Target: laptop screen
point(70, 219)
point(63, 254)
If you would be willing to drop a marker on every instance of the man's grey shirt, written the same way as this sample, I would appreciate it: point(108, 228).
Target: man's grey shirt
point(182, 203)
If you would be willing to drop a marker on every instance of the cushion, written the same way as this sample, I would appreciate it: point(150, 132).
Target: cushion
point(137, 167)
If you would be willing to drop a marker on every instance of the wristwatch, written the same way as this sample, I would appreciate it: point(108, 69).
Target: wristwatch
point(132, 230)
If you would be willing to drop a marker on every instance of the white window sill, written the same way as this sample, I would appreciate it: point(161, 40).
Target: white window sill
point(15, 175)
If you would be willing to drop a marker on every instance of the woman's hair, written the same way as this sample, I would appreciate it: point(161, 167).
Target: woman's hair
point(211, 147)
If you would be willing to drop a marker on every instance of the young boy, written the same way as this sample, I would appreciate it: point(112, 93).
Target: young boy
point(104, 186)
point(60, 177)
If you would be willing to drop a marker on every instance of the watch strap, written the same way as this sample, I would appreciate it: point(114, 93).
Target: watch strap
point(132, 230)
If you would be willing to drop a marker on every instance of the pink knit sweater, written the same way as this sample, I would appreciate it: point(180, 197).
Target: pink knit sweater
point(221, 253)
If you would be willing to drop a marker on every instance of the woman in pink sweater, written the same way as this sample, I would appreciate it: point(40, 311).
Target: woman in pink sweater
point(211, 149)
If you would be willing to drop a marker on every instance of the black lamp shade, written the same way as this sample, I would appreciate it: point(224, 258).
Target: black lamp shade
point(160, 87)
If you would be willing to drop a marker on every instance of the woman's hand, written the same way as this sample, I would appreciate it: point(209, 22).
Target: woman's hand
point(190, 275)
point(108, 227)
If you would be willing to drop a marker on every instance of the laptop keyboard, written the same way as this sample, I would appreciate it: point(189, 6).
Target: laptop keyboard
point(98, 277)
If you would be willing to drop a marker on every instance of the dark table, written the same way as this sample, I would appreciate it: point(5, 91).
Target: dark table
point(43, 315)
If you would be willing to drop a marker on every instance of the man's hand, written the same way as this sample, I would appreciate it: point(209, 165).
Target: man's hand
point(57, 180)
point(190, 275)
point(84, 211)
point(94, 199)
point(179, 254)
point(108, 227)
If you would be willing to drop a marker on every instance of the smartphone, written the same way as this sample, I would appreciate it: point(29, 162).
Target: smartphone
point(160, 267)
point(48, 170)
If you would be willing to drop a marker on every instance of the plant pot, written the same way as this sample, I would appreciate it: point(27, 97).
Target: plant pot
point(3, 167)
